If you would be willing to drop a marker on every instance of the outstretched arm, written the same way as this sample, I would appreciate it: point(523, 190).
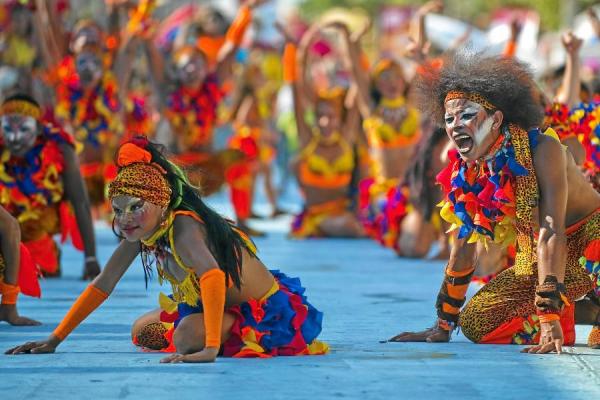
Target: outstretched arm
point(77, 195)
point(91, 298)
point(451, 296)
point(551, 158)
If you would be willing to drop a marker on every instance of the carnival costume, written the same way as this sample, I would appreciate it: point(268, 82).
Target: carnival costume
point(281, 322)
point(583, 123)
point(492, 200)
point(32, 190)
point(316, 171)
point(383, 202)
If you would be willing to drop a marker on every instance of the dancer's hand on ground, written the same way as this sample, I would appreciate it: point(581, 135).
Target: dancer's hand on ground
point(206, 355)
point(91, 269)
point(41, 347)
point(551, 339)
point(8, 313)
point(431, 335)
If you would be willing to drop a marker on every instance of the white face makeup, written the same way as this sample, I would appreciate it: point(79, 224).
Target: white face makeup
point(136, 218)
point(470, 127)
point(19, 133)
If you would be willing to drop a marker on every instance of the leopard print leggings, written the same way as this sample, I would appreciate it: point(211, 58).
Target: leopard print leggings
point(510, 296)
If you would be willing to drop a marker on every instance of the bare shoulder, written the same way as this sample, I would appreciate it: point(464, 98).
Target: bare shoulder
point(189, 238)
point(548, 152)
point(186, 229)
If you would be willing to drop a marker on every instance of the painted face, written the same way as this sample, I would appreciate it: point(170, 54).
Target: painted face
point(328, 117)
point(469, 127)
point(190, 69)
point(88, 35)
point(19, 132)
point(89, 68)
point(390, 83)
point(136, 218)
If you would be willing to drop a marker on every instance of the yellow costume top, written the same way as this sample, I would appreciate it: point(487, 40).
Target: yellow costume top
point(317, 171)
point(382, 135)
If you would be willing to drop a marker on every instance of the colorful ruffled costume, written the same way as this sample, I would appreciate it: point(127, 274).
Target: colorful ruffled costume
point(32, 190)
point(384, 202)
point(281, 323)
point(581, 122)
point(494, 201)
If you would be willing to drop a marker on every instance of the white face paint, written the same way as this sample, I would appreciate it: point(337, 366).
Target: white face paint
point(19, 133)
point(485, 129)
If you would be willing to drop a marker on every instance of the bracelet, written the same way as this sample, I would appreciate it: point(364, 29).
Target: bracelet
point(90, 259)
point(550, 296)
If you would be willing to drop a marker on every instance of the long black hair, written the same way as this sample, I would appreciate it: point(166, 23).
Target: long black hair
point(223, 239)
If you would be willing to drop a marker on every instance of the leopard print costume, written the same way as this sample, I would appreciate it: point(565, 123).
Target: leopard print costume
point(152, 336)
point(510, 295)
point(143, 180)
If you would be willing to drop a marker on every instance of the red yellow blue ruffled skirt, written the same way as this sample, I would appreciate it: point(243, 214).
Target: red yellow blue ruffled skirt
point(382, 207)
point(281, 323)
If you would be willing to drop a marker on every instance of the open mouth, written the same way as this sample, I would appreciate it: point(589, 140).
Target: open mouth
point(463, 142)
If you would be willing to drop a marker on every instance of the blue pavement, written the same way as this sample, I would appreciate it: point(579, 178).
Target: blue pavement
point(367, 295)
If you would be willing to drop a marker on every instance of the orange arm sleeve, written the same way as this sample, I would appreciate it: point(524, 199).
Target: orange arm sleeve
point(510, 49)
point(212, 291)
point(9, 293)
point(88, 301)
point(289, 63)
point(238, 27)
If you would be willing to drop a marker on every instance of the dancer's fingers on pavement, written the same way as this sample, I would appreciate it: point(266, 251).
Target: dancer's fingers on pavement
point(24, 348)
point(547, 348)
point(411, 336)
point(531, 349)
point(173, 358)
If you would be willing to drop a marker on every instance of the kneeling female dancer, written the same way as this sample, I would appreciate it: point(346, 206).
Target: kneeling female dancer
point(224, 301)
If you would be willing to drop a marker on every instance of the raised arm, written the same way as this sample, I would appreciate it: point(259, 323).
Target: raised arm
point(417, 27)
point(292, 71)
point(361, 78)
point(594, 20)
point(569, 92)
point(511, 46)
point(91, 298)
point(233, 39)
